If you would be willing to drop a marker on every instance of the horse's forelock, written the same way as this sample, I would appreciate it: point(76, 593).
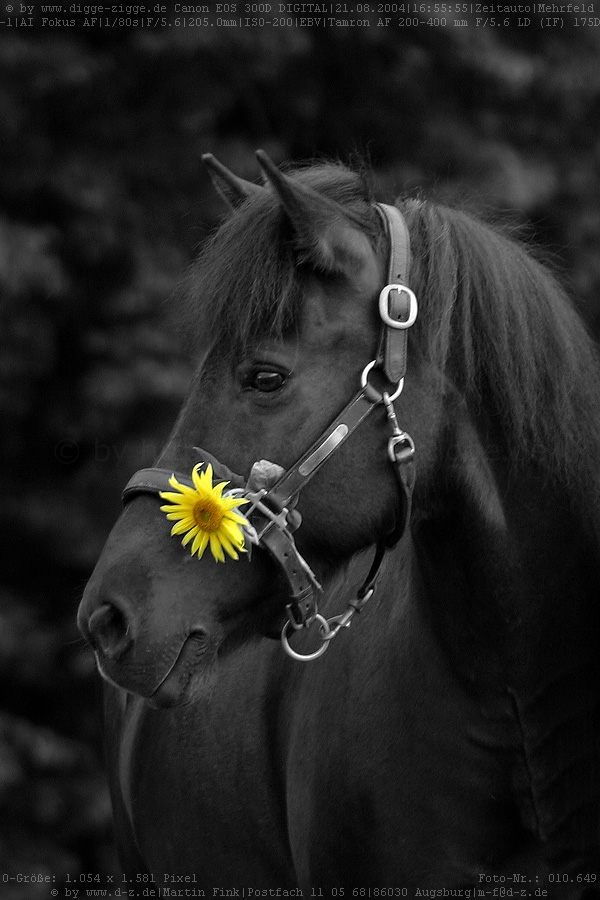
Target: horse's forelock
point(247, 282)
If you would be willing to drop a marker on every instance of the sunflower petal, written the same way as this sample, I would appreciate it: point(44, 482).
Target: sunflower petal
point(191, 533)
point(203, 543)
point(175, 512)
point(228, 547)
point(216, 548)
point(197, 476)
point(181, 527)
point(235, 517)
point(233, 531)
point(185, 495)
point(177, 484)
point(232, 502)
point(170, 496)
point(199, 543)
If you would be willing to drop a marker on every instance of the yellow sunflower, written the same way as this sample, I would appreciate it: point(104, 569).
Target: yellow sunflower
point(204, 514)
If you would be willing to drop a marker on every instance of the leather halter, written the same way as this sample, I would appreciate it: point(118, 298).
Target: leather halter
point(269, 508)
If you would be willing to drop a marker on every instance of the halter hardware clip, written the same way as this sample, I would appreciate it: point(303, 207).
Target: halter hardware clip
point(401, 447)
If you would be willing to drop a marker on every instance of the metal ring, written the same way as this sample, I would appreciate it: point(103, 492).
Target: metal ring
point(306, 657)
point(364, 382)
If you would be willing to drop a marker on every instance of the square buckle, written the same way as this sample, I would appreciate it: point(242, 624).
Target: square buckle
point(384, 306)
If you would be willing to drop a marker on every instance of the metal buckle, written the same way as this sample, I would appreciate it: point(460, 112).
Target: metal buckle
point(301, 612)
point(384, 307)
point(277, 519)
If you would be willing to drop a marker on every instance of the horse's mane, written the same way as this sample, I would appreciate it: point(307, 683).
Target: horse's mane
point(499, 326)
point(493, 320)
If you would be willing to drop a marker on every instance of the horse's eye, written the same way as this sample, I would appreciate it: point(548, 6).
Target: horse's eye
point(266, 381)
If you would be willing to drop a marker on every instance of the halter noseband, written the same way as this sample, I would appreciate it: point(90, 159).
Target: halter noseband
point(268, 511)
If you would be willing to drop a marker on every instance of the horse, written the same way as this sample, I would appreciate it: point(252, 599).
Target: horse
point(422, 501)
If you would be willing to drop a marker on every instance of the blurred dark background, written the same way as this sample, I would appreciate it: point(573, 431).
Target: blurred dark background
point(103, 203)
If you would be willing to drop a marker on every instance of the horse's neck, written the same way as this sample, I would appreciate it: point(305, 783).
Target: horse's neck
point(508, 562)
point(512, 588)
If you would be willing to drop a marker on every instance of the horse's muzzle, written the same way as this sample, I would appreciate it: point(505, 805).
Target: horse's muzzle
point(161, 669)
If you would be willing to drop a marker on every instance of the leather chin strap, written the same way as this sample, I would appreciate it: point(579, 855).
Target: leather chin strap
point(269, 509)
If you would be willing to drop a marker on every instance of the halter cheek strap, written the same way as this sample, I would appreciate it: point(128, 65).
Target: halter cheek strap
point(269, 509)
point(397, 303)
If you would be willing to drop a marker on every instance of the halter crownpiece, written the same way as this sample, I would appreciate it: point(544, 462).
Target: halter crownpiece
point(269, 509)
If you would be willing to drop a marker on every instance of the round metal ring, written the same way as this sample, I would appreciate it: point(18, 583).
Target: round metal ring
point(364, 382)
point(306, 657)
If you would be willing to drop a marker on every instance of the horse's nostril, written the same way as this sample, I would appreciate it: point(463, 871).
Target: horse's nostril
point(109, 630)
point(200, 638)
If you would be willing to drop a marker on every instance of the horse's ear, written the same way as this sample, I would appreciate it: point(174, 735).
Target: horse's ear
point(234, 190)
point(325, 236)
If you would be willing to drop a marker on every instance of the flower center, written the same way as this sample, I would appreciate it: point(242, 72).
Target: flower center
point(207, 515)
